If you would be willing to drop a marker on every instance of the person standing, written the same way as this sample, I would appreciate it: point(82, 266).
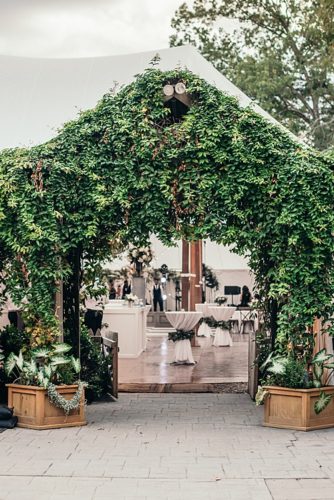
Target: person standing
point(112, 291)
point(126, 289)
point(157, 296)
point(246, 297)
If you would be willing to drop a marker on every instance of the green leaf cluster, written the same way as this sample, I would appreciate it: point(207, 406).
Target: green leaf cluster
point(126, 170)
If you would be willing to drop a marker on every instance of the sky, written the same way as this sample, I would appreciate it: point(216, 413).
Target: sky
point(84, 28)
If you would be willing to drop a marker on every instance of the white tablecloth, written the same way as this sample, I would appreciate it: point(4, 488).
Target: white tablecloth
point(222, 335)
point(183, 320)
point(204, 329)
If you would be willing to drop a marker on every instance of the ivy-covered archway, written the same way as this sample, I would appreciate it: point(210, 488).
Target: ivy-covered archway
point(125, 170)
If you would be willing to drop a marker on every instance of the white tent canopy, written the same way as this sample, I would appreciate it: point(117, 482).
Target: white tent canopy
point(39, 95)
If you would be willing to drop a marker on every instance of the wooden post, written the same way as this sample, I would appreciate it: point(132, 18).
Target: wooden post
point(185, 280)
point(196, 272)
point(59, 306)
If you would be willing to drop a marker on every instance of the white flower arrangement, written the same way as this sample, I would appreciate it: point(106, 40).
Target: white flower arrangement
point(141, 254)
point(131, 297)
point(139, 258)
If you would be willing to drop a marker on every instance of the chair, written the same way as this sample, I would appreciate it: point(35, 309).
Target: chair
point(109, 346)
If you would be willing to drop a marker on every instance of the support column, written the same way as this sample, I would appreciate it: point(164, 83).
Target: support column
point(196, 272)
point(185, 279)
point(59, 306)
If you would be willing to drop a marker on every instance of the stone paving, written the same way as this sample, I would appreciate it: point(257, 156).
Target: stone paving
point(168, 446)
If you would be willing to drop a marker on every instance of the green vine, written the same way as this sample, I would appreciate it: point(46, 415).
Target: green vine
point(126, 169)
point(180, 335)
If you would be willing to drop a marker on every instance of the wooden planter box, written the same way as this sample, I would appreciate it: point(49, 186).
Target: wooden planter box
point(35, 411)
point(294, 409)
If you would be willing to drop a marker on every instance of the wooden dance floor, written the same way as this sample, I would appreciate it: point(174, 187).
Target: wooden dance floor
point(217, 368)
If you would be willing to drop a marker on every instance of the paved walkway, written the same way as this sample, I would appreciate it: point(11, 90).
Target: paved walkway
point(168, 446)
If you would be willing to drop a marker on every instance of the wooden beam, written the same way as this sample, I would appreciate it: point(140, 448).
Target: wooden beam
point(196, 272)
point(185, 280)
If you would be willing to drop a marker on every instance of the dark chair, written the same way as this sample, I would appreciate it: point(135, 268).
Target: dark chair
point(110, 350)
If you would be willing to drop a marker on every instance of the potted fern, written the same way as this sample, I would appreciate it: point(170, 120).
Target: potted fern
point(46, 391)
point(296, 394)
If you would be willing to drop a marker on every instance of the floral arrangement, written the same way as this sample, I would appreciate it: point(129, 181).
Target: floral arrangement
point(180, 335)
point(139, 258)
point(131, 297)
point(220, 300)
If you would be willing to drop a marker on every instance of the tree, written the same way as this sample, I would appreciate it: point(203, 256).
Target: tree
point(279, 52)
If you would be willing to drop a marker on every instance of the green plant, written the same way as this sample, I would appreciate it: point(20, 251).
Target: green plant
point(262, 48)
point(293, 373)
point(320, 363)
point(224, 172)
point(42, 366)
point(94, 368)
point(48, 367)
point(180, 335)
point(14, 340)
point(210, 277)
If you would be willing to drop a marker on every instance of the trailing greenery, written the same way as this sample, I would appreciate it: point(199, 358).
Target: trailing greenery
point(127, 169)
point(210, 277)
point(181, 335)
point(67, 405)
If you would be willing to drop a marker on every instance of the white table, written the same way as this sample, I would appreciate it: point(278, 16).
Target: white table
point(130, 323)
point(222, 335)
point(183, 320)
point(204, 329)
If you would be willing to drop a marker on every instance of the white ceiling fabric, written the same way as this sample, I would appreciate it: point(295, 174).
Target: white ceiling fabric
point(38, 95)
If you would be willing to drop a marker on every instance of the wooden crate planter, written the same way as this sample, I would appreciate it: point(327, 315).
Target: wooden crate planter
point(35, 411)
point(294, 409)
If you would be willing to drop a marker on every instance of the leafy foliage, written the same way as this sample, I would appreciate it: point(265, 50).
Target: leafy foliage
point(211, 280)
point(43, 367)
point(125, 170)
point(279, 53)
point(94, 368)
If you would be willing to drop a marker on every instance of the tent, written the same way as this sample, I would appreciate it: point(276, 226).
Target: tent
point(39, 95)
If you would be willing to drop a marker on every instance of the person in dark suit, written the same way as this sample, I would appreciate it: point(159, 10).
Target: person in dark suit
point(126, 289)
point(246, 297)
point(112, 291)
point(157, 296)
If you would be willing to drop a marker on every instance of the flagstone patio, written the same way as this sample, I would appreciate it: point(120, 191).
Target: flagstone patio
point(168, 447)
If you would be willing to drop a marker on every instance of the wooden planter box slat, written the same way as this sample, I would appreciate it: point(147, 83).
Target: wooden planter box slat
point(35, 411)
point(294, 409)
